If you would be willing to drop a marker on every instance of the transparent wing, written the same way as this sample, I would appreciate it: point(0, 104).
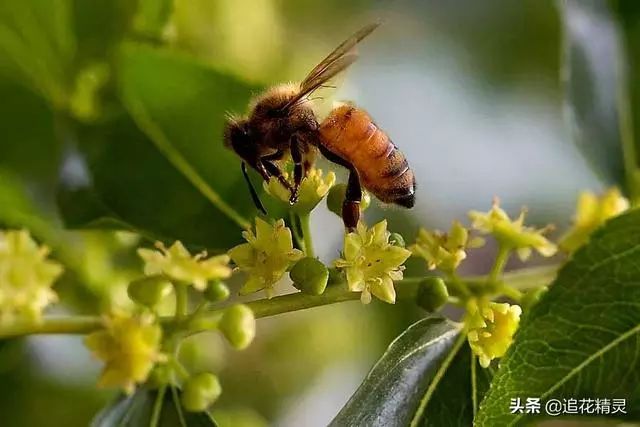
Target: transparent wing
point(337, 61)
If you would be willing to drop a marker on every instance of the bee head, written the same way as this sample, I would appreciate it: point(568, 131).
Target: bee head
point(236, 133)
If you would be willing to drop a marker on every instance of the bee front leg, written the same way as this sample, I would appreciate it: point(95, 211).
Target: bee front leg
point(268, 169)
point(296, 156)
point(351, 204)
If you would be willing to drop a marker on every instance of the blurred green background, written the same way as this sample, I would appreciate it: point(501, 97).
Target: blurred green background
point(102, 103)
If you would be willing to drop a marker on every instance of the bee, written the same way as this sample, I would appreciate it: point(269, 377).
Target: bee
point(282, 123)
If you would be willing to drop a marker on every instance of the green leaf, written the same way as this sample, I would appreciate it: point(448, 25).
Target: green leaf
point(592, 57)
point(582, 339)
point(147, 406)
point(37, 45)
point(424, 378)
point(161, 168)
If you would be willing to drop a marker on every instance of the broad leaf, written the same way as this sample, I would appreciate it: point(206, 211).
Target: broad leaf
point(37, 45)
point(592, 61)
point(424, 378)
point(161, 168)
point(581, 340)
point(146, 406)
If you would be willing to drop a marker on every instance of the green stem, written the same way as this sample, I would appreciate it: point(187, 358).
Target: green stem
point(74, 325)
point(306, 234)
point(512, 293)
point(182, 301)
point(457, 286)
point(501, 261)
point(157, 407)
point(293, 218)
point(406, 290)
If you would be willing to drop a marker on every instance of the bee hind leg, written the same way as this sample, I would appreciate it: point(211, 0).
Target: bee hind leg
point(351, 203)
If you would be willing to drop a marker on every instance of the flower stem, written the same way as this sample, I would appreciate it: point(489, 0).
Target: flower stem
point(501, 261)
point(406, 290)
point(53, 325)
point(306, 234)
point(512, 293)
point(182, 301)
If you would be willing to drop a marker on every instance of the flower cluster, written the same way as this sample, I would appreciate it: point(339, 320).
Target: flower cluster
point(313, 188)
point(26, 277)
point(266, 256)
point(129, 348)
point(512, 234)
point(444, 250)
point(179, 266)
point(592, 211)
point(371, 263)
point(491, 326)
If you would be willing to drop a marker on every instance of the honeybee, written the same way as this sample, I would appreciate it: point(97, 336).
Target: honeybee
point(281, 122)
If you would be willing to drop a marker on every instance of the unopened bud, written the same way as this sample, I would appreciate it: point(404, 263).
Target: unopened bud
point(216, 291)
point(310, 276)
point(200, 391)
point(336, 197)
point(238, 324)
point(149, 291)
point(396, 239)
point(432, 293)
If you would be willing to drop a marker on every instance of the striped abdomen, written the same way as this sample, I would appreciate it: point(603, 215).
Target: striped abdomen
point(350, 134)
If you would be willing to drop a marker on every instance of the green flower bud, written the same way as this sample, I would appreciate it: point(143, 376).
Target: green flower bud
point(216, 291)
point(336, 197)
point(532, 297)
point(200, 391)
point(432, 293)
point(149, 291)
point(396, 239)
point(310, 276)
point(238, 324)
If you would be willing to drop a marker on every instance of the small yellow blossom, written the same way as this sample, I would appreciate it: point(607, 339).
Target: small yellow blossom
point(266, 256)
point(592, 211)
point(129, 348)
point(444, 250)
point(313, 188)
point(177, 264)
point(26, 277)
point(512, 234)
point(491, 328)
point(372, 263)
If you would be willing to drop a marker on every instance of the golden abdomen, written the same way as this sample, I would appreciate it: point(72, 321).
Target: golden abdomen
point(350, 134)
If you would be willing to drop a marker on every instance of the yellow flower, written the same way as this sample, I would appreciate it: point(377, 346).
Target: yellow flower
point(266, 256)
point(26, 277)
point(491, 328)
point(444, 250)
point(312, 189)
point(512, 234)
point(372, 263)
point(129, 348)
point(177, 264)
point(592, 211)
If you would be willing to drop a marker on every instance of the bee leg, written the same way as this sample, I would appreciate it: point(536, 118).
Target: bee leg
point(296, 156)
point(351, 203)
point(268, 169)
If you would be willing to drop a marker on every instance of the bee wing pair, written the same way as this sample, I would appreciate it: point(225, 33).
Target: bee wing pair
point(336, 62)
